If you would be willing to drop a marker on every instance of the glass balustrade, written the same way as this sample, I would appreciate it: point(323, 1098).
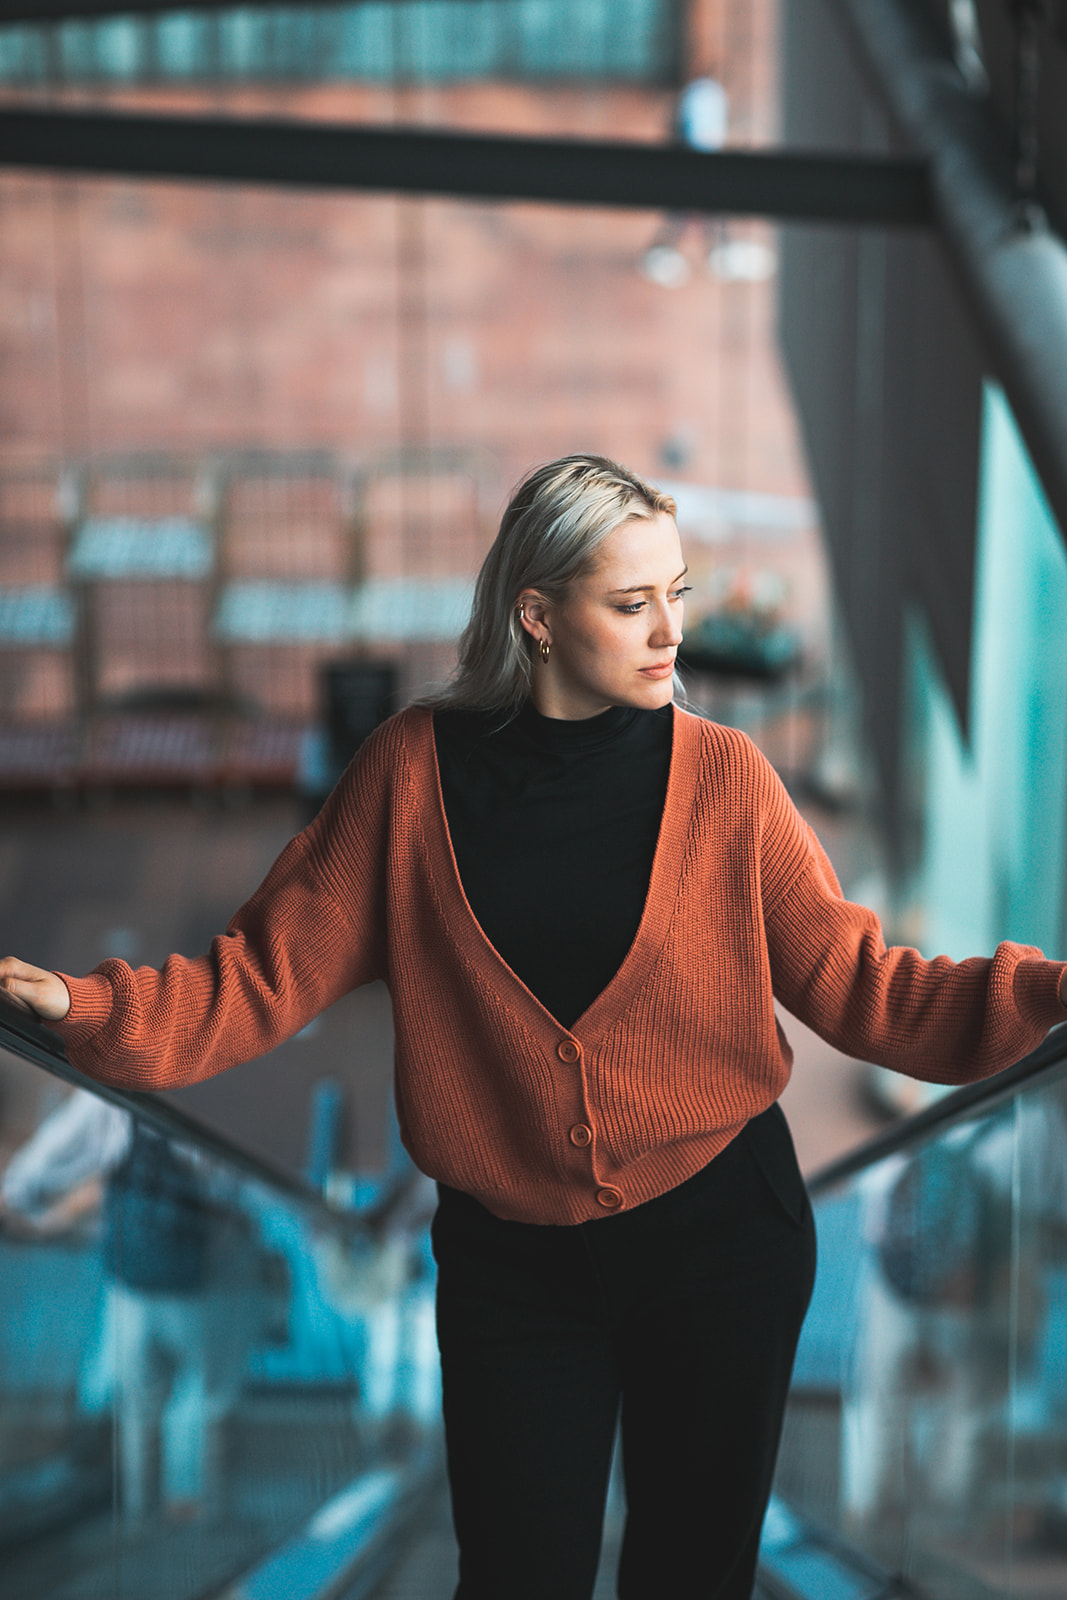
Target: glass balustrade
point(925, 1449)
point(202, 1373)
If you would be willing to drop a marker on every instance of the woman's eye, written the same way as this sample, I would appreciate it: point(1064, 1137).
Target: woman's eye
point(635, 606)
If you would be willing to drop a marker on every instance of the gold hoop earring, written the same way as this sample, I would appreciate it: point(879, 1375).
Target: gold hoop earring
point(545, 648)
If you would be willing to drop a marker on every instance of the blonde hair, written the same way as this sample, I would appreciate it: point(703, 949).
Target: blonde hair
point(556, 520)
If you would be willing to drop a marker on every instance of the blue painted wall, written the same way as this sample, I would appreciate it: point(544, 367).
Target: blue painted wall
point(993, 811)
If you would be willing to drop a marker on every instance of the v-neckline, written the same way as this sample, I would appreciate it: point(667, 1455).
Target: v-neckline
point(636, 967)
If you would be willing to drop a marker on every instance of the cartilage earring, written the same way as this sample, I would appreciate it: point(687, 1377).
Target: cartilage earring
point(522, 611)
point(545, 648)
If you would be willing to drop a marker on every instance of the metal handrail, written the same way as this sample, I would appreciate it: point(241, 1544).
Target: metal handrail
point(25, 1036)
point(1047, 1063)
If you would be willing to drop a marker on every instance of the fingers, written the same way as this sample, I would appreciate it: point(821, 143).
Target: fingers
point(12, 974)
point(33, 989)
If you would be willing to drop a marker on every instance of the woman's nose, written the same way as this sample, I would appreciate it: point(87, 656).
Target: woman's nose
point(667, 627)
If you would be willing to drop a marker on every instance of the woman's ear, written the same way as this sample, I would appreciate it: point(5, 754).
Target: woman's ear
point(532, 611)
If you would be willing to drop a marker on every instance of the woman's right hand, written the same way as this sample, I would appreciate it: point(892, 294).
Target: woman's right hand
point(32, 989)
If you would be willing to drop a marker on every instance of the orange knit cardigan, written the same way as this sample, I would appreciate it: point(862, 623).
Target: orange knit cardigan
point(543, 1123)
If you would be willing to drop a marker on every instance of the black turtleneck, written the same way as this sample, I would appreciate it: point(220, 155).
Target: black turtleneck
point(554, 827)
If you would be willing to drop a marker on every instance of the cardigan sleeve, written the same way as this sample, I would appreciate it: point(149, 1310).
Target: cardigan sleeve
point(939, 1020)
point(310, 932)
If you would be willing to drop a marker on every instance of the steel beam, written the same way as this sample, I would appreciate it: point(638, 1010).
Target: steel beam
point(856, 189)
point(1013, 278)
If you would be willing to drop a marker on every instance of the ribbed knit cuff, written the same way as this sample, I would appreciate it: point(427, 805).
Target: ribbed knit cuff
point(91, 1000)
point(1036, 989)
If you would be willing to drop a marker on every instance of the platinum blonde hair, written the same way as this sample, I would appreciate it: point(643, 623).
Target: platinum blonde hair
point(554, 523)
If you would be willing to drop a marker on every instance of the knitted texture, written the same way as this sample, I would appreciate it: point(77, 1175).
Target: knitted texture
point(541, 1123)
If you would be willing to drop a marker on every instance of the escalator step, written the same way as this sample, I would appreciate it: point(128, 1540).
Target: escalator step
point(426, 1568)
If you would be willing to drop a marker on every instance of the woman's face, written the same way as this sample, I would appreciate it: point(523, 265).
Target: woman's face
point(613, 639)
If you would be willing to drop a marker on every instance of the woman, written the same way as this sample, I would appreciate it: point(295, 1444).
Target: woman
point(584, 902)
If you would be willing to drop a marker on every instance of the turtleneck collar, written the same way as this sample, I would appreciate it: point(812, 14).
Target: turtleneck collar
point(562, 736)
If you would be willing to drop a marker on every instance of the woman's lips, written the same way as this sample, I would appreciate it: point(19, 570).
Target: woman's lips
point(663, 671)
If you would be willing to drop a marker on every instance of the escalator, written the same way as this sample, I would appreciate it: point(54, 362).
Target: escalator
point(215, 1386)
point(925, 1444)
point(280, 1436)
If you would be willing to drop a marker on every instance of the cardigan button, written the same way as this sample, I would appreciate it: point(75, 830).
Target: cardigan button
point(580, 1134)
point(609, 1198)
point(568, 1051)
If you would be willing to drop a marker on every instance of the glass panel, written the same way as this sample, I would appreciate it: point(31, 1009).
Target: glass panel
point(1032, 1514)
point(926, 1424)
point(191, 1365)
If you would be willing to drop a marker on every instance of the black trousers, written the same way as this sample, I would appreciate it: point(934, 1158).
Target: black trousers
point(684, 1312)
